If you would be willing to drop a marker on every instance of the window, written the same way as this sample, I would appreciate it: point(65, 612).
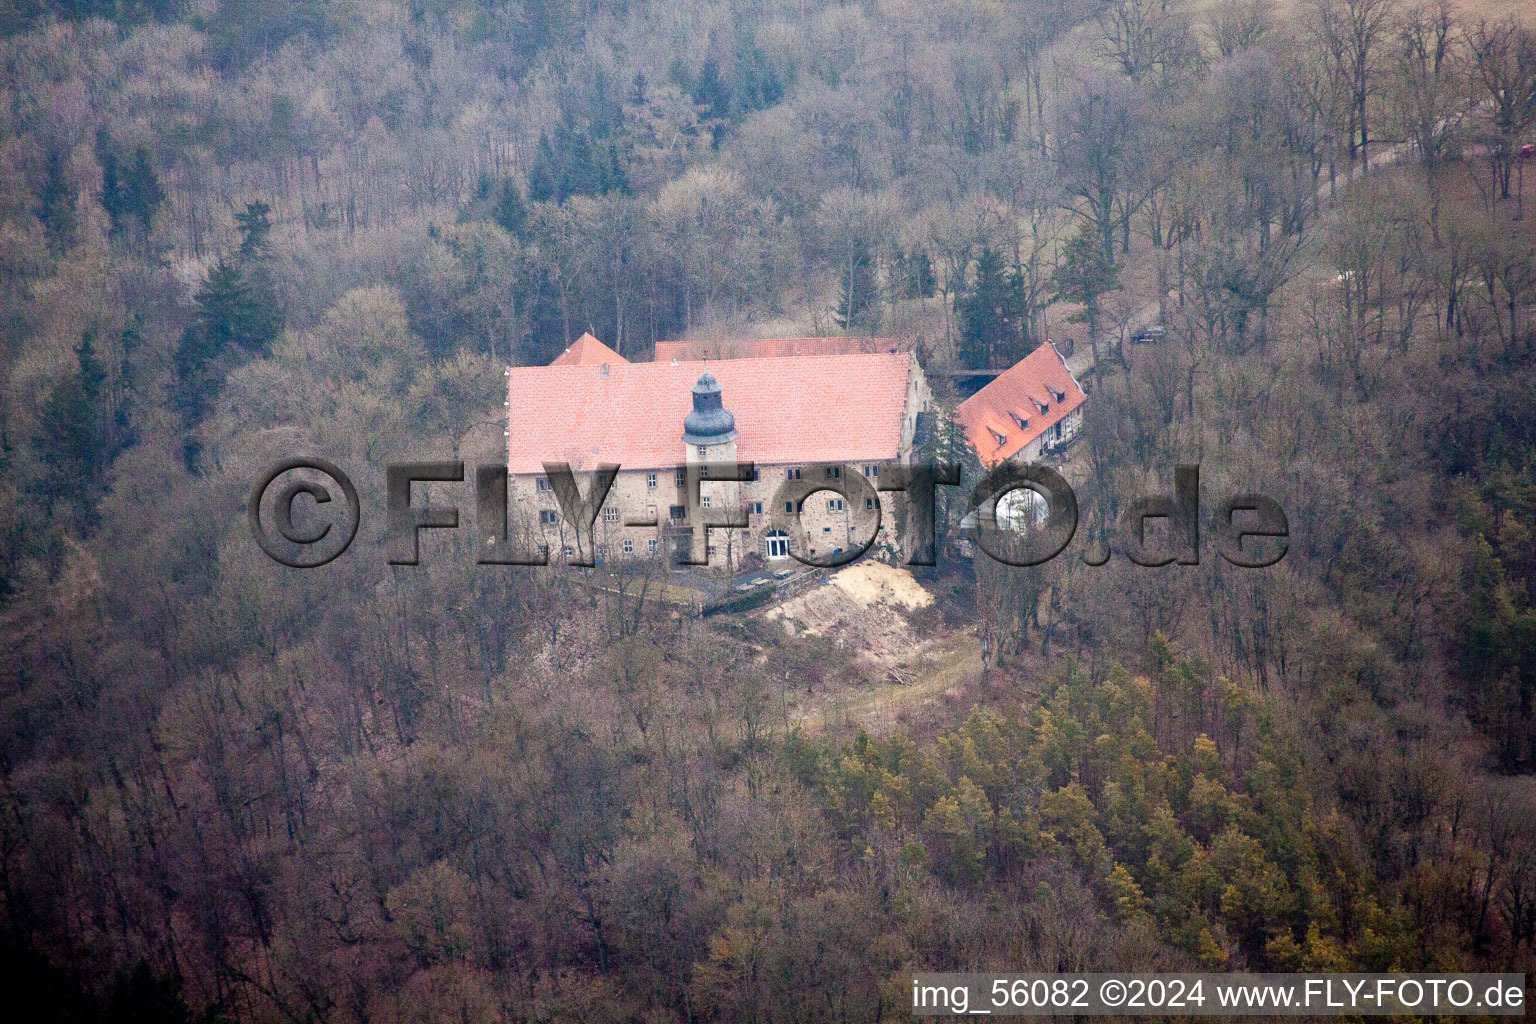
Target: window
point(872, 471)
point(704, 500)
point(650, 545)
point(870, 504)
point(703, 452)
point(542, 483)
point(678, 513)
point(776, 544)
point(757, 508)
point(834, 472)
point(757, 474)
point(792, 474)
point(999, 438)
point(1020, 420)
point(610, 515)
point(682, 477)
point(628, 547)
point(834, 504)
point(548, 516)
point(789, 506)
point(650, 480)
point(569, 551)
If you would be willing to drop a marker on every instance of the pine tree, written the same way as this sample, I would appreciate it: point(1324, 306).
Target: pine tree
point(73, 439)
point(580, 173)
point(761, 84)
point(132, 193)
point(544, 176)
point(510, 212)
point(915, 272)
point(609, 159)
point(1085, 277)
point(231, 312)
point(857, 290)
point(576, 162)
point(711, 93)
point(255, 224)
point(237, 316)
point(144, 194)
point(992, 321)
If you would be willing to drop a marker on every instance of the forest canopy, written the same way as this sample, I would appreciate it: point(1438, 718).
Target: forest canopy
point(236, 230)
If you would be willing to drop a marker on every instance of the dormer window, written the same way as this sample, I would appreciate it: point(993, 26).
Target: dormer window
point(1019, 419)
point(1001, 439)
point(1042, 406)
point(1061, 396)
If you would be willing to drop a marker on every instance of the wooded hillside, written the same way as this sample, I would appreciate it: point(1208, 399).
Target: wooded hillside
point(233, 231)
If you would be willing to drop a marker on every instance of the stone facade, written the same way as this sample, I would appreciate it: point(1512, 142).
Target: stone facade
point(832, 522)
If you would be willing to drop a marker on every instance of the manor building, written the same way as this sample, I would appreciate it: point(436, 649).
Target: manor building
point(783, 415)
point(587, 351)
point(775, 348)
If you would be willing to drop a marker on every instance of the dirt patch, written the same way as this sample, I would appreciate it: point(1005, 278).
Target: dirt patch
point(871, 583)
point(864, 609)
point(945, 668)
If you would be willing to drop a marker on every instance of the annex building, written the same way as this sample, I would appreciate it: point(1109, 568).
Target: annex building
point(1030, 409)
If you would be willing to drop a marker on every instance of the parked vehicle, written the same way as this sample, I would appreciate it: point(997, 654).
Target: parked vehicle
point(1528, 151)
point(1154, 333)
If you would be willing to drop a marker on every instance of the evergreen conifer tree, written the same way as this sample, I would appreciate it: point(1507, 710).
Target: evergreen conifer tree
point(255, 224)
point(992, 323)
point(857, 289)
point(510, 212)
point(915, 272)
point(543, 177)
point(237, 316)
point(73, 439)
point(130, 193)
point(1084, 277)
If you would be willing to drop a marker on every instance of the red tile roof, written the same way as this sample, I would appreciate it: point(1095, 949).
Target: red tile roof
point(791, 410)
point(753, 348)
point(587, 351)
point(990, 417)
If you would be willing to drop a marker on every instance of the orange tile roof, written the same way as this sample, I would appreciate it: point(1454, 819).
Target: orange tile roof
point(792, 410)
point(990, 417)
point(587, 351)
point(777, 348)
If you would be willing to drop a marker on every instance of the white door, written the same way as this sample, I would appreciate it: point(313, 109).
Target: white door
point(776, 544)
